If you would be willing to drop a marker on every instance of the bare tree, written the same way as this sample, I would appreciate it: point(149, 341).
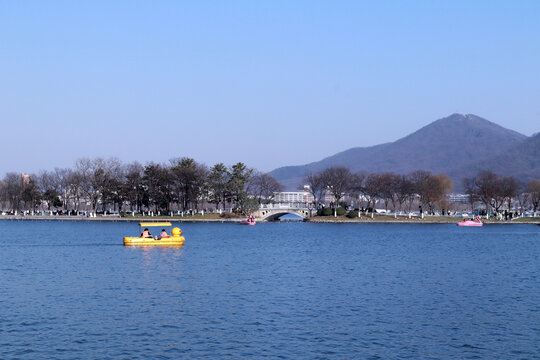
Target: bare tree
point(338, 182)
point(498, 199)
point(47, 181)
point(84, 168)
point(372, 190)
point(388, 184)
point(471, 191)
point(106, 180)
point(317, 187)
point(30, 194)
point(97, 179)
point(12, 190)
point(411, 189)
point(509, 189)
point(54, 186)
point(534, 192)
point(404, 189)
point(3, 197)
point(522, 196)
point(263, 186)
point(435, 189)
point(50, 189)
point(60, 179)
point(486, 183)
point(356, 187)
point(132, 185)
point(75, 181)
point(419, 178)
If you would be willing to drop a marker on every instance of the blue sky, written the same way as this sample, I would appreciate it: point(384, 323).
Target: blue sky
point(269, 83)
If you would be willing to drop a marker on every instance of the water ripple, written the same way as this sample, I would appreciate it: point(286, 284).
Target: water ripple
point(285, 291)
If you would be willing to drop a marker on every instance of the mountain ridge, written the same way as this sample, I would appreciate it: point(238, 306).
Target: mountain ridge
point(521, 161)
point(445, 144)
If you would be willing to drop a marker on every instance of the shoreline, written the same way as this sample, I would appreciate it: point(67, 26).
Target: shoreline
point(421, 221)
point(317, 219)
point(113, 218)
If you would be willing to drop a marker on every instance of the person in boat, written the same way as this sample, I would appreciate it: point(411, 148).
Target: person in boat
point(163, 234)
point(146, 233)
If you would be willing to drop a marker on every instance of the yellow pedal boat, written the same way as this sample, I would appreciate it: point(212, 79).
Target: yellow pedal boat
point(175, 239)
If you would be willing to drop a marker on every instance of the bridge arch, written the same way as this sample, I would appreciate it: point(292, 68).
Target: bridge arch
point(274, 214)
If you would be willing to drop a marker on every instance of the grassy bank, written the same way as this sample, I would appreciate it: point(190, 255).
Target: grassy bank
point(138, 218)
point(315, 219)
point(416, 220)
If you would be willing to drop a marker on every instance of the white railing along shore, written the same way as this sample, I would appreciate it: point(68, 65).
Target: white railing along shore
point(278, 206)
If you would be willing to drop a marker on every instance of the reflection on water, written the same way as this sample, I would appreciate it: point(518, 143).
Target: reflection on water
point(151, 254)
point(294, 290)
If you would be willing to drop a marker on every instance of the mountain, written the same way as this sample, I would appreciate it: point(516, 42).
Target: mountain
point(449, 143)
point(521, 160)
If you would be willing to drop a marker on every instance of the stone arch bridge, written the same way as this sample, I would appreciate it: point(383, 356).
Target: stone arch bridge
point(271, 212)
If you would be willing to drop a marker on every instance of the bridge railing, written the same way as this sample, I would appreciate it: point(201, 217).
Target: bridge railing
point(284, 205)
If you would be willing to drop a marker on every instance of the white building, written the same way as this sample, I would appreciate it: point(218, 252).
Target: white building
point(302, 196)
point(459, 198)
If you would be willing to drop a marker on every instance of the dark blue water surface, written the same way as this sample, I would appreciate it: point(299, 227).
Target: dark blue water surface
point(70, 290)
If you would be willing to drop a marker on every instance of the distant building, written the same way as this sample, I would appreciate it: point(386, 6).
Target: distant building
point(25, 178)
point(303, 196)
point(459, 198)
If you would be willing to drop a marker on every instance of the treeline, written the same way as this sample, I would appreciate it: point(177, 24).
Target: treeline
point(109, 185)
point(495, 191)
point(421, 188)
point(183, 184)
point(400, 191)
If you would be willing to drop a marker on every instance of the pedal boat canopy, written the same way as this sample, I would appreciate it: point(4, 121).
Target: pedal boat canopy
point(175, 238)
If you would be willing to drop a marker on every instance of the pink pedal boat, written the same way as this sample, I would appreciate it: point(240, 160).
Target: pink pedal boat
point(476, 222)
point(249, 221)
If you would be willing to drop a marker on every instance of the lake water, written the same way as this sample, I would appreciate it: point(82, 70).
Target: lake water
point(70, 290)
